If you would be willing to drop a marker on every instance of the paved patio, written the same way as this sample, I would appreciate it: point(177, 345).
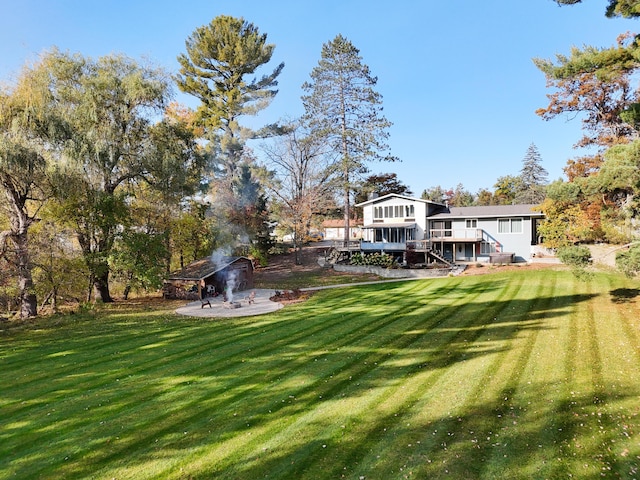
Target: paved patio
point(260, 305)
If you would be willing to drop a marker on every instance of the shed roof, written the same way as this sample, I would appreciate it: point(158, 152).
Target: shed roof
point(203, 268)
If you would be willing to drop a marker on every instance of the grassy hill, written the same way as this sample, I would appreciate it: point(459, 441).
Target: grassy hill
point(520, 375)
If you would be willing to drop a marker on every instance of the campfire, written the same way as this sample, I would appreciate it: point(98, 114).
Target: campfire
point(231, 305)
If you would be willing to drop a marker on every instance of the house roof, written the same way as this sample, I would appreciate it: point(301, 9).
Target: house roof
point(524, 210)
point(395, 195)
point(203, 268)
point(337, 223)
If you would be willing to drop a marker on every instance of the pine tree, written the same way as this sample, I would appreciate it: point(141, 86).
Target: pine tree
point(533, 176)
point(342, 107)
point(219, 58)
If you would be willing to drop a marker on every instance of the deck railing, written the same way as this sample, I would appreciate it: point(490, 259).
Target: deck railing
point(456, 233)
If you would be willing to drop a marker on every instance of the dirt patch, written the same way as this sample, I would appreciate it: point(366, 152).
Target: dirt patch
point(284, 266)
point(291, 296)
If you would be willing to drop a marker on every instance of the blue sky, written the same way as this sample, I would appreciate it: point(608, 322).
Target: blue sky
point(457, 78)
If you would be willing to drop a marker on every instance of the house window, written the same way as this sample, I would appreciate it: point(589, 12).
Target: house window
point(441, 228)
point(509, 225)
point(516, 225)
point(472, 223)
point(487, 247)
point(409, 211)
point(377, 212)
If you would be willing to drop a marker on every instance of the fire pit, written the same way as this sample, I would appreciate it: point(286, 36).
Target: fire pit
point(231, 305)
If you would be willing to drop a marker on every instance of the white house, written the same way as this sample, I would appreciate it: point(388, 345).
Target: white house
point(334, 229)
point(398, 224)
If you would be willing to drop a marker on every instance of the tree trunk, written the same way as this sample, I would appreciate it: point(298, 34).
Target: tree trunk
point(347, 208)
point(28, 303)
point(101, 286)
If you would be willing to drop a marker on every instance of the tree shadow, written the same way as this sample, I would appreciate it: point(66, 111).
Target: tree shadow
point(624, 295)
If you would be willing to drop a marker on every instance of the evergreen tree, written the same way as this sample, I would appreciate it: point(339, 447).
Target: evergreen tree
point(533, 176)
point(219, 57)
point(342, 106)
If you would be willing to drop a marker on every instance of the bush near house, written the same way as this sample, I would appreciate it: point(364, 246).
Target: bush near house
point(372, 259)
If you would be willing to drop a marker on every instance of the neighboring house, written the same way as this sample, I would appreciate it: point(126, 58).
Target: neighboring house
point(203, 277)
point(334, 229)
point(396, 224)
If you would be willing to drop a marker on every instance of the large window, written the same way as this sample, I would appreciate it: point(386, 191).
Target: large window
point(509, 225)
point(394, 211)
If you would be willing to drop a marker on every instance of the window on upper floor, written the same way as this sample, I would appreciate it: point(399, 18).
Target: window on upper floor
point(509, 225)
point(394, 211)
point(471, 223)
point(409, 211)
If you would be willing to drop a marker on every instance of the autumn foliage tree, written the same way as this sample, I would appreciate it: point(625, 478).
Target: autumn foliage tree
point(598, 85)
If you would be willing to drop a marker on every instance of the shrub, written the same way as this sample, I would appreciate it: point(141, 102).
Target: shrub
point(577, 257)
point(629, 262)
point(372, 259)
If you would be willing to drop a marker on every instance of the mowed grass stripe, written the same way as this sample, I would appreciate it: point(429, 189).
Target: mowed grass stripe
point(289, 413)
point(409, 351)
point(300, 395)
point(443, 407)
point(397, 394)
point(167, 399)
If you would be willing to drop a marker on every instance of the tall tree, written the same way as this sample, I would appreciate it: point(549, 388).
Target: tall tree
point(534, 177)
point(108, 105)
point(435, 194)
point(616, 8)
point(25, 122)
point(590, 83)
point(507, 188)
point(599, 83)
point(342, 106)
point(382, 184)
point(219, 58)
point(302, 182)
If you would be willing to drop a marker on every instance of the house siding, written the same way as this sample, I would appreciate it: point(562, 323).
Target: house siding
point(454, 237)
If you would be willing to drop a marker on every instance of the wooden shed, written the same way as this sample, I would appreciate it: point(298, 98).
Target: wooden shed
point(205, 277)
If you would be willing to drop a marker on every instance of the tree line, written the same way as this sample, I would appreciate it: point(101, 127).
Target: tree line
point(104, 178)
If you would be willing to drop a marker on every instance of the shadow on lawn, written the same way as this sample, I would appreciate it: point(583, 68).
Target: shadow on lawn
point(624, 295)
point(212, 383)
point(529, 435)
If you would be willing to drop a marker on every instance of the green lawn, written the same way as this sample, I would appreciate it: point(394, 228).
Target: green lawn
point(530, 374)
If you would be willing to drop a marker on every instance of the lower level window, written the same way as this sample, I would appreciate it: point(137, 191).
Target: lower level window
point(487, 248)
